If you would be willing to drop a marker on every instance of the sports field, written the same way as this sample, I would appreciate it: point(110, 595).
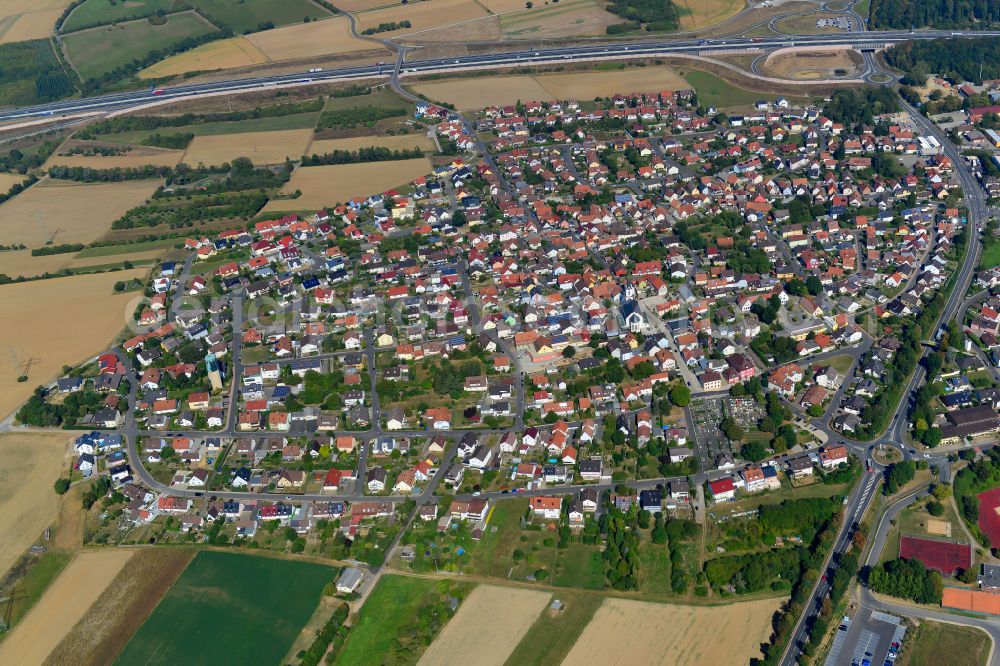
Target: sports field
point(989, 514)
point(328, 185)
point(68, 212)
point(260, 147)
point(28, 19)
point(62, 605)
point(100, 12)
point(230, 608)
point(944, 556)
point(100, 50)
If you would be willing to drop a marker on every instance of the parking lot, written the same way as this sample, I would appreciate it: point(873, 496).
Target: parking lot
point(867, 638)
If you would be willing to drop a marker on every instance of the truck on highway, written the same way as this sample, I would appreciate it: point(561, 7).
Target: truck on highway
point(313, 70)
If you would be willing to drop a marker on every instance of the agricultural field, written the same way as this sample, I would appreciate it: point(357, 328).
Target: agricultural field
point(223, 54)
point(44, 310)
point(553, 634)
point(62, 605)
point(31, 464)
point(98, 51)
point(254, 605)
point(423, 15)
point(698, 14)
point(638, 632)
point(69, 212)
point(260, 147)
point(309, 40)
point(138, 156)
point(398, 142)
point(467, 639)
point(808, 65)
point(389, 613)
point(126, 603)
point(101, 12)
point(806, 25)
point(965, 646)
point(569, 18)
point(479, 92)
point(714, 91)
point(20, 263)
point(327, 185)
point(21, 20)
point(251, 15)
point(290, 122)
point(9, 180)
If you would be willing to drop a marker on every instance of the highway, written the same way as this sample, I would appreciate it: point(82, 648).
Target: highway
point(137, 98)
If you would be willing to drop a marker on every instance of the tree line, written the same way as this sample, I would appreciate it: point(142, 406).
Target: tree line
point(906, 14)
point(956, 59)
point(906, 579)
point(364, 155)
point(356, 116)
point(854, 106)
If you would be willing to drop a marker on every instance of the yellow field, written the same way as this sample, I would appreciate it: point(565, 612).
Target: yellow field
point(423, 15)
point(308, 40)
point(638, 632)
point(8, 180)
point(137, 157)
point(503, 6)
point(400, 142)
point(223, 54)
point(498, 90)
point(328, 185)
point(68, 212)
point(27, 19)
point(260, 147)
point(805, 65)
point(20, 263)
point(468, 640)
point(84, 262)
point(62, 605)
point(57, 322)
point(696, 14)
point(569, 18)
point(29, 464)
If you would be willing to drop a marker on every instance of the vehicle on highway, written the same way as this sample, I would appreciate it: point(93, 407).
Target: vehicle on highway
point(158, 91)
point(313, 70)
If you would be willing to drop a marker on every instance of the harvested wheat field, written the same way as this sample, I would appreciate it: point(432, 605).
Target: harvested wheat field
point(805, 65)
point(570, 18)
point(480, 92)
point(29, 464)
point(399, 142)
point(584, 85)
point(423, 15)
point(477, 30)
point(139, 156)
point(9, 180)
point(99, 636)
point(697, 14)
point(20, 263)
point(28, 19)
point(69, 212)
point(467, 639)
point(58, 322)
point(639, 632)
point(62, 605)
point(260, 147)
point(328, 185)
point(309, 40)
point(223, 54)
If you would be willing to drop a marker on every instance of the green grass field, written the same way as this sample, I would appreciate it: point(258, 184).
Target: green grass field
point(965, 646)
point(294, 121)
point(34, 583)
point(713, 91)
point(249, 15)
point(392, 605)
point(128, 248)
point(991, 255)
point(551, 637)
point(101, 50)
point(230, 608)
point(100, 12)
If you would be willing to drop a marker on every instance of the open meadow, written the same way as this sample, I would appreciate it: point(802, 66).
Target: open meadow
point(698, 14)
point(260, 147)
point(62, 605)
point(29, 464)
point(99, 12)
point(638, 632)
point(251, 15)
point(397, 142)
point(28, 19)
point(965, 646)
point(327, 185)
point(468, 639)
point(125, 604)
point(39, 316)
point(69, 212)
point(237, 608)
point(97, 51)
point(422, 15)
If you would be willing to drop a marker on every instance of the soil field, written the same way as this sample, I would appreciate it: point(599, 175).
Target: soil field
point(241, 609)
point(95, 12)
point(260, 147)
point(939, 528)
point(423, 15)
point(486, 29)
point(45, 311)
point(327, 185)
point(223, 54)
point(28, 19)
point(8, 180)
point(100, 50)
point(400, 142)
point(69, 212)
point(480, 92)
point(806, 25)
point(29, 464)
point(697, 14)
point(20, 263)
point(137, 157)
point(804, 65)
point(62, 606)
point(573, 18)
point(467, 639)
point(105, 628)
point(638, 632)
point(308, 40)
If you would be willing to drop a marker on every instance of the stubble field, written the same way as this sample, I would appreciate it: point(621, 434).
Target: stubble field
point(68, 212)
point(697, 14)
point(327, 185)
point(260, 147)
point(139, 156)
point(61, 321)
point(62, 605)
point(8, 180)
point(398, 142)
point(487, 627)
point(223, 54)
point(569, 18)
point(28, 19)
point(29, 464)
point(638, 632)
point(308, 40)
point(423, 15)
point(20, 263)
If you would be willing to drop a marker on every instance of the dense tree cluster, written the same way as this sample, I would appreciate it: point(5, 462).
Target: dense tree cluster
point(312, 655)
point(37, 412)
point(907, 579)
point(958, 59)
point(355, 116)
point(175, 141)
point(974, 478)
point(898, 475)
point(31, 74)
point(369, 154)
point(852, 106)
point(653, 14)
point(112, 175)
point(906, 14)
point(621, 554)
